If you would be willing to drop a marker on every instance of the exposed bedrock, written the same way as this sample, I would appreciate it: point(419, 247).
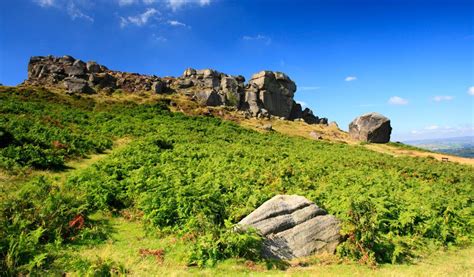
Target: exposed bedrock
point(293, 227)
point(267, 94)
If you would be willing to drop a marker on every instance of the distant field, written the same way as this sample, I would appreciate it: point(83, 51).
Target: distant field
point(91, 187)
point(459, 146)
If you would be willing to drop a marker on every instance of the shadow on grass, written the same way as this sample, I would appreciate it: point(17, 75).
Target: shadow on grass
point(277, 264)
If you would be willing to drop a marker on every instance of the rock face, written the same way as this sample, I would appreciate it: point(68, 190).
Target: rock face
point(293, 227)
point(80, 77)
point(267, 94)
point(274, 92)
point(212, 88)
point(371, 127)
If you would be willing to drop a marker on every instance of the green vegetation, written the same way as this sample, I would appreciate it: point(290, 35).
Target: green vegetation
point(194, 177)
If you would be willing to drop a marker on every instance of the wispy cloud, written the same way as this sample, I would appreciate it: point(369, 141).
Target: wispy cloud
point(140, 19)
point(438, 131)
point(71, 7)
point(176, 23)
point(76, 13)
point(177, 4)
point(260, 38)
point(350, 78)
point(309, 88)
point(126, 2)
point(432, 127)
point(440, 98)
point(158, 38)
point(45, 3)
point(470, 90)
point(396, 100)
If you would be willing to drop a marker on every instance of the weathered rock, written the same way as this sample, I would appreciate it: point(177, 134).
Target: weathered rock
point(267, 127)
point(93, 67)
point(315, 135)
point(293, 227)
point(276, 91)
point(76, 85)
point(229, 88)
point(296, 111)
point(267, 94)
point(333, 124)
point(186, 83)
point(208, 98)
point(158, 87)
point(371, 127)
point(103, 80)
point(51, 71)
point(309, 117)
point(78, 68)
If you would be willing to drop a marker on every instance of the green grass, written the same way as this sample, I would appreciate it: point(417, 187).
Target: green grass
point(192, 178)
point(128, 238)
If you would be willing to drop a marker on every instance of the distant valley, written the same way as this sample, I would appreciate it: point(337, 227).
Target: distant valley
point(459, 146)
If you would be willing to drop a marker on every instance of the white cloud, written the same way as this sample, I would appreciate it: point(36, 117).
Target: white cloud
point(176, 23)
point(442, 98)
point(140, 19)
point(126, 2)
point(396, 100)
point(432, 127)
point(149, 2)
point(350, 78)
point(309, 88)
point(158, 38)
point(69, 6)
point(176, 4)
point(470, 90)
point(261, 38)
point(75, 13)
point(45, 3)
point(438, 131)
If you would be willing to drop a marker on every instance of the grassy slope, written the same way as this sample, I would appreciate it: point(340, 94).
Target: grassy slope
point(128, 237)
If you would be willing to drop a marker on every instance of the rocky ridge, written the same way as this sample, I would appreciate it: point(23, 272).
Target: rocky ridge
point(267, 94)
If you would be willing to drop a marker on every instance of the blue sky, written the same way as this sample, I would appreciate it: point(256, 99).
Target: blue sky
point(410, 60)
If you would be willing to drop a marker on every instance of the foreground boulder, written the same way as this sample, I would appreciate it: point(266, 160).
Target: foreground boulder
point(371, 127)
point(293, 227)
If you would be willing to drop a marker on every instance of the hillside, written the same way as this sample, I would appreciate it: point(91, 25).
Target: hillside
point(82, 174)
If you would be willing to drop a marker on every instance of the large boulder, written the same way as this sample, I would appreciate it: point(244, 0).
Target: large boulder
point(293, 227)
point(276, 91)
point(371, 127)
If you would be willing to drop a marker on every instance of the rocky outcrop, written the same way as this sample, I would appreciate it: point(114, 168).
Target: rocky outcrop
point(81, 77)
point(371, 127)
point(211, 87)
point(293, 227)
point(267, 93)
point(274, 92)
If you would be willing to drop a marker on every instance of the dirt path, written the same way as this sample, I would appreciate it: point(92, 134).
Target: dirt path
point(9, 182)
